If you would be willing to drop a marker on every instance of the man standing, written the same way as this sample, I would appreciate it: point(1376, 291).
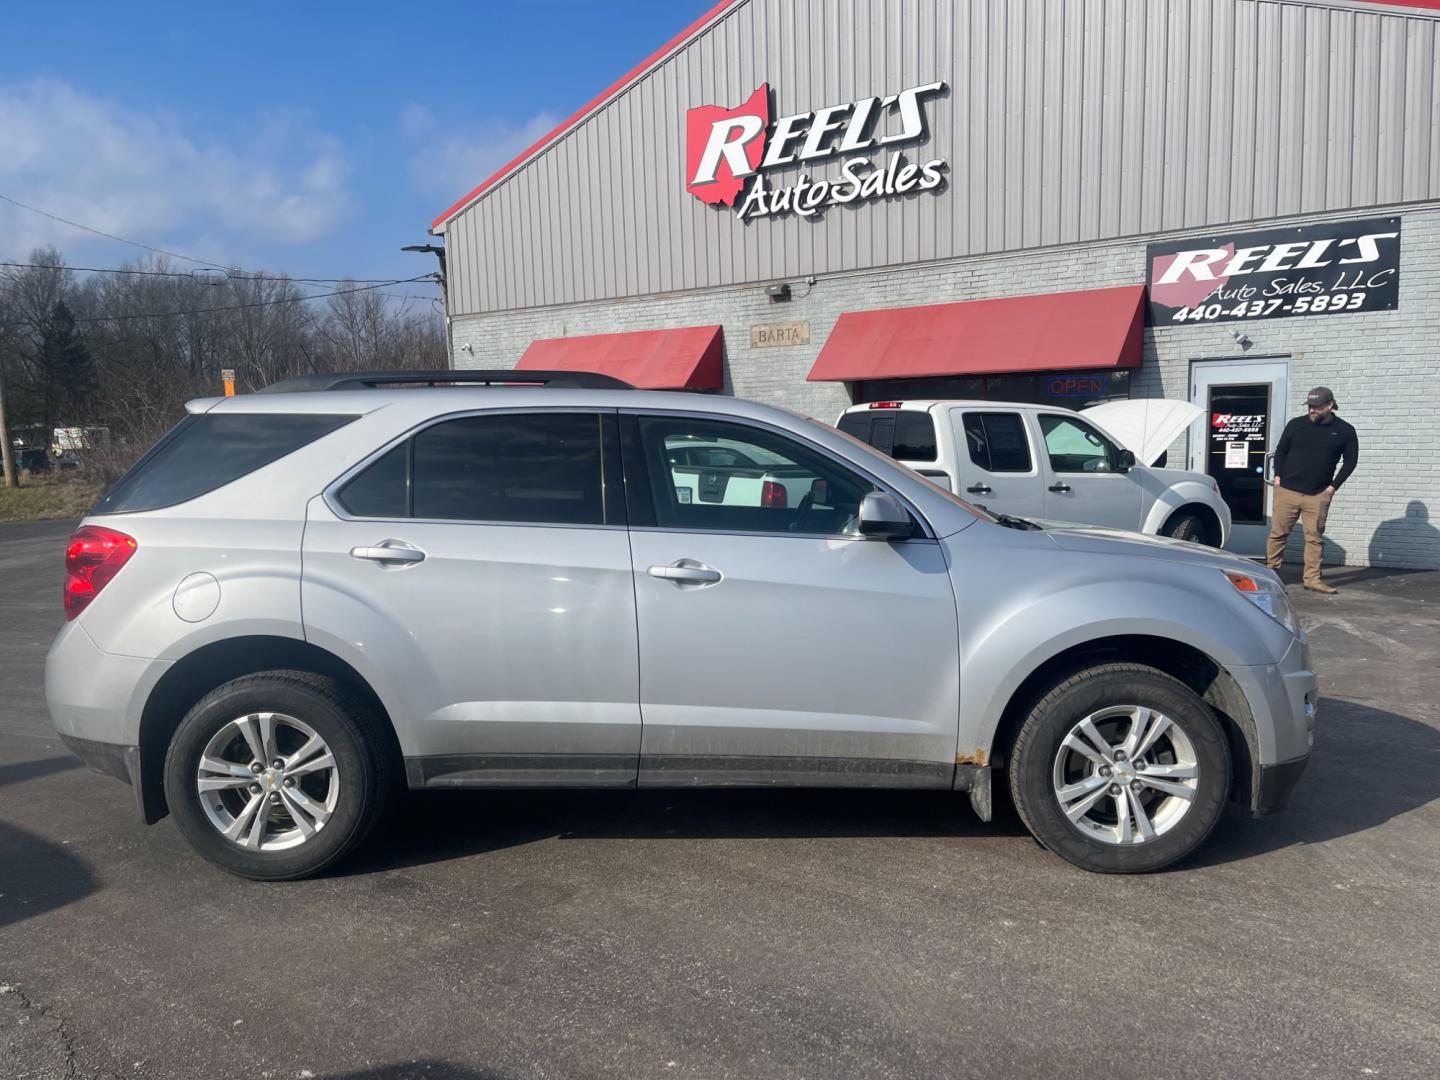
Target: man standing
point(1305, 480)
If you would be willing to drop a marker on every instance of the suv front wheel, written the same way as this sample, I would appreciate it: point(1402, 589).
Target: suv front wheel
point(1120, 769)
point(276, 775)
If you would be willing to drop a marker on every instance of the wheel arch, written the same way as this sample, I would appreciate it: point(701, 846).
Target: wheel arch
point(1190, 665)
point(196, 674)
point(1214, 530)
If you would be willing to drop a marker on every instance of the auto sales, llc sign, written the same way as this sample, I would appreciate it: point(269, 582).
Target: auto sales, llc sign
point(725, 148)
point(1326, 269)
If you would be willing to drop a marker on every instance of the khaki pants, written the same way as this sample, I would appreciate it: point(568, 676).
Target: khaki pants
point(1311, 510)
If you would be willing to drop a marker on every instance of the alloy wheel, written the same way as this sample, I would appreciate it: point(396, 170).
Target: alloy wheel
point(267, 781)
point(1126, 774)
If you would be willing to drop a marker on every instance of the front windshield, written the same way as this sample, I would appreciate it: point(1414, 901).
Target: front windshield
point(979, 511)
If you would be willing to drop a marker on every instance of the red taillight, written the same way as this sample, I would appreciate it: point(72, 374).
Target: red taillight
point(773, 496)
point(93, 556)
point(886, 404)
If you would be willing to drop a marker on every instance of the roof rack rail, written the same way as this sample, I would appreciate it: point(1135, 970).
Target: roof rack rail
point(370, 380)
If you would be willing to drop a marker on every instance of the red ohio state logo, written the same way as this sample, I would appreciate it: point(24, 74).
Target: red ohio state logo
point(725, 147)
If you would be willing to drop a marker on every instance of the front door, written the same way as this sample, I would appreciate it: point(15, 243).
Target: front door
point(1083, 481)
point(776, 645)
point(1244, 404)
point(478, 574)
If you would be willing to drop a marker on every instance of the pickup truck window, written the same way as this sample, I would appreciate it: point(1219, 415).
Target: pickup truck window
point(1074, 446)
point(780, 485)
point(997, 442)
point(914, 437)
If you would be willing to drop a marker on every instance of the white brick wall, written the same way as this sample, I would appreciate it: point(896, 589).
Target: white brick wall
point(1384, 367)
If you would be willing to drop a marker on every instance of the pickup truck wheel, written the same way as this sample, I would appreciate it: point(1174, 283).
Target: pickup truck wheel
point(1120, 769)
point(1186, 527)
point(277, 775)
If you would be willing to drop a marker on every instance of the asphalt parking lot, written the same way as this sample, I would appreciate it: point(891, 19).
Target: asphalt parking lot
point(745, 934)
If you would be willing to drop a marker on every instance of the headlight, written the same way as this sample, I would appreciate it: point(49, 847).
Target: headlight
point(1269, 596)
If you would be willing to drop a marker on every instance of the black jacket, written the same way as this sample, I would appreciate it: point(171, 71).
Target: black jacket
point(1306, 456)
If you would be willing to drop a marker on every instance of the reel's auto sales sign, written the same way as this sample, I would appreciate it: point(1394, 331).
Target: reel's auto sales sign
point(1327, 269)
point(726, 148)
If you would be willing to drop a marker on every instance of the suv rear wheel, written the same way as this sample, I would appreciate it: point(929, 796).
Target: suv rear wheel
point(1120, 769)
point(276, 775)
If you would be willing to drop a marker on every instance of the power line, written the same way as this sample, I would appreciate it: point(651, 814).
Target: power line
point(109, 236)
point(245, 307)
point(242, 275)
point(257, 304)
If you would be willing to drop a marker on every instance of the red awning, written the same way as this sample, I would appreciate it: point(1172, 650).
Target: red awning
point(1098, 328)
point(685, 358)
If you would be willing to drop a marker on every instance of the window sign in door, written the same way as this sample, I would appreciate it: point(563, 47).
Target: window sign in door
point(1235, 456)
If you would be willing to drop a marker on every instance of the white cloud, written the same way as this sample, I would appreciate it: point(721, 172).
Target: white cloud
point(142, 175)
point(448, 167)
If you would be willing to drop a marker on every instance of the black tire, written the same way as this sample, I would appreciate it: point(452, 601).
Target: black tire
point(353, 736)
point(1186, 527)
point(1082, 695)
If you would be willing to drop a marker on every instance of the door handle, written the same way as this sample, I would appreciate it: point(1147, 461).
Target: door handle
point(389, 551)
point(979, 489)
point(1060, 487)
point(687, 572)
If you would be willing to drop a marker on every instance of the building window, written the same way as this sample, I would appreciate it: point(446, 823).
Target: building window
point(1062, 389)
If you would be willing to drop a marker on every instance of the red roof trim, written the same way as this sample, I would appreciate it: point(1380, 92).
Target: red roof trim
point(565, 125)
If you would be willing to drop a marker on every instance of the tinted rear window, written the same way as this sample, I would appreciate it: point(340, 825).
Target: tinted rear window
point(914, 437)
point(202, 453)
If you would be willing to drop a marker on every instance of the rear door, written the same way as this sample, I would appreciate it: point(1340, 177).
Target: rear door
point(776, 645)
point(1084, 483)
point(998, 466)
point(479, 571)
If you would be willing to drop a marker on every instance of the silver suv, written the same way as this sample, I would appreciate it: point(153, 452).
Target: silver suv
point(300, 599)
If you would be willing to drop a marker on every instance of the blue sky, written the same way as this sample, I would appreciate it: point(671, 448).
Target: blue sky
point(314, 138)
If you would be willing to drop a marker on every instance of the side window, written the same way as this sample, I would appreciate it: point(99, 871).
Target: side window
point(537, 468)
point(779, 485)
point(914, 437)
point(1074, 446)
point(997, 442)
point(382, 490)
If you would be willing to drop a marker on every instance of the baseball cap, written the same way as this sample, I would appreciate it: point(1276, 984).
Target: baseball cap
point(1319, 398)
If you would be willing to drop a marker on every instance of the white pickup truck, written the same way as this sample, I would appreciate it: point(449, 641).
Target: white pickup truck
point(1096, 467)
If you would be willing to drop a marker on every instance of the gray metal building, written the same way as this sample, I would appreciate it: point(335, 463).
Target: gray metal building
point(817, 202)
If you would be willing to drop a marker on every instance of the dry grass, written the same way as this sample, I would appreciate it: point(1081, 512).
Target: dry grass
point(41, 497)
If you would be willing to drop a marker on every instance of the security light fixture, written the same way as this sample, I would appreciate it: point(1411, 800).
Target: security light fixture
point(778, 293)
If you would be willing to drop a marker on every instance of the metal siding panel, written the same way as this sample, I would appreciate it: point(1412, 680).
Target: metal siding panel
point(1419, 128)
point(1072, 111)
point(1367, 110)
point(1244, 107)
point(1390, 154)
point(1340, 80)
point(1216, 163)
point(1132, 134)
point(1065, 120)
point(1316, 130)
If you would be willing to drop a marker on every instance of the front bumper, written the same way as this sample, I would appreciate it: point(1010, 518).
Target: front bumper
point(1283, 700)
point(1274, 783)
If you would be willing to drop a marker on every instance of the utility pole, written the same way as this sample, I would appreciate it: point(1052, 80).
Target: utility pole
point(441, 279)
point(7, 451)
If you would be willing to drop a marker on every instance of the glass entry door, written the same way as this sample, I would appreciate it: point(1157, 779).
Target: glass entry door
point(1245, 405)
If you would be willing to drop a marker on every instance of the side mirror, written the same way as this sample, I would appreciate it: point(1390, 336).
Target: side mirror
point(1126, 461)
point(883, 518)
